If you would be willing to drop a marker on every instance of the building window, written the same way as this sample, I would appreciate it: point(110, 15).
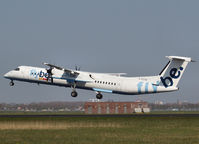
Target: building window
point(116, 108)
point(125, 108)
point(90, 109)
point(99, 109)
point(139, 105)
point(107, 109)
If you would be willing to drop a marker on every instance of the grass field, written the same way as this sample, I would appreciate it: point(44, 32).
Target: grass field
point(100, 130)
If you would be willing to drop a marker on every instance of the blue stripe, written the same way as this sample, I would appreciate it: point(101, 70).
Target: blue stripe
point(139, 86)
point(102, 90)
point(146, 87)
point(59, 78)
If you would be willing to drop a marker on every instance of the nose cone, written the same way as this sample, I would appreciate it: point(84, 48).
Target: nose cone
point(7, 75)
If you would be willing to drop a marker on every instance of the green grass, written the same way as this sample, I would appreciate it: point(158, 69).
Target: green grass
point(82, 113)
point(100, 130)
point(174, 112)
point(38, 113)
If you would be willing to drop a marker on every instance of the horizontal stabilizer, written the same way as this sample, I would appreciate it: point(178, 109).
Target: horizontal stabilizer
point(188, 59)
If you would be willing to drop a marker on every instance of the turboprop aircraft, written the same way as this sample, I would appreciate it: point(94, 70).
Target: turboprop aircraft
point(117, 83)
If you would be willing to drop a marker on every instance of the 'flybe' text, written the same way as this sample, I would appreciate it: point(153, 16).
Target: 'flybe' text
point(40, 74)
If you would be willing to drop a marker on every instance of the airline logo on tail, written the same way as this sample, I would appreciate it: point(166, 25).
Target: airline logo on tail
point(174, 74)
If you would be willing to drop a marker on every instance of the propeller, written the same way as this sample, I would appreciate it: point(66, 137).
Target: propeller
point(77, 68)
point(49, 71)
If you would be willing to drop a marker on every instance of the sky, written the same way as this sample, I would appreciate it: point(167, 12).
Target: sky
point(99, 36)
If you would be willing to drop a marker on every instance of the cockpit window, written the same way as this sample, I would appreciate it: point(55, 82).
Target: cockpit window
point(17, 69)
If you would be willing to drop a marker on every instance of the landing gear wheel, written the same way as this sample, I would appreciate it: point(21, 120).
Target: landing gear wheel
point(99, 96)
point(74, 94)
point(11, 83)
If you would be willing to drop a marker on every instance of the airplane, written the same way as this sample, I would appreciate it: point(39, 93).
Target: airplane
point(118, 83)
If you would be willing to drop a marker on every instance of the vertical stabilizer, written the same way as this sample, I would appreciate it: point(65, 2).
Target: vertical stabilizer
point(173, 71)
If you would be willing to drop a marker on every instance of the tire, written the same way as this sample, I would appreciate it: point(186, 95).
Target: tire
point(99, 96)
point(74, 94)
point(11, 83)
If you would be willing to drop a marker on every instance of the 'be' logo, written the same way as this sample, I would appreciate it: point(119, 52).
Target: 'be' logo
point(174, 73)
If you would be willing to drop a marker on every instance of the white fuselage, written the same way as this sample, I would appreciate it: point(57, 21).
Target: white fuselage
point(98, 82)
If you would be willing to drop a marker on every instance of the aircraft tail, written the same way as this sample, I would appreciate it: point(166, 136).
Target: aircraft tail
point(172, 72)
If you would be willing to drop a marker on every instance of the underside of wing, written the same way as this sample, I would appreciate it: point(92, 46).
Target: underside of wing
point(116, 74)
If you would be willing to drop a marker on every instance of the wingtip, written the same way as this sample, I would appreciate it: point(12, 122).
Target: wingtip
point(44, 63)
point(193, 61)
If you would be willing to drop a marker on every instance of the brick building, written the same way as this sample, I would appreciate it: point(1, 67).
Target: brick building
point(113, 107)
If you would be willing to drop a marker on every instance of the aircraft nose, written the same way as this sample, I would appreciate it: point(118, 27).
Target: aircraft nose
point(7, 75)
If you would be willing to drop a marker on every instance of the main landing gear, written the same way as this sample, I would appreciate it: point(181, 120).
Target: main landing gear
point(99, 95)
point(11, 83)
point(74, 93)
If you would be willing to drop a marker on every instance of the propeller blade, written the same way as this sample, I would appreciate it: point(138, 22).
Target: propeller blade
point(49, 71)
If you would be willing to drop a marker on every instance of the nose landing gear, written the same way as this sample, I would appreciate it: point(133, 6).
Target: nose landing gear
point(11, 83)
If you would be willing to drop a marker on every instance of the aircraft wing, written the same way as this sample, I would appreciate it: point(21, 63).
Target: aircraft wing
point(60, 68)
point(116, 74)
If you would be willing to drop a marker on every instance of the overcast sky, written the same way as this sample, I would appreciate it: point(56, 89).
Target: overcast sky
point(100, 36)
